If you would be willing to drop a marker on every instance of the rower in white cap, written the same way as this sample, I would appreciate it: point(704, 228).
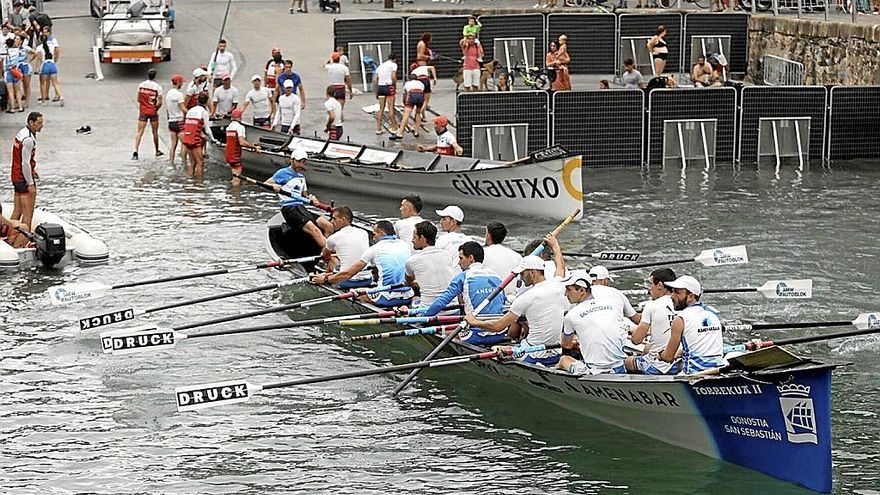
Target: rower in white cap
point(452, 236)
point(291, 179)
point(696, 327)
point(599, 275)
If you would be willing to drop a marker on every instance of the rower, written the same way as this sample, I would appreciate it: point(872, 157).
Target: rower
point(656, 318)
point(24, 169)
point(339, 77)
point(593, 318)
point(599, 275)
point(289, 110)
point(410, 208)
point(225, 98)
point(292, 180)
point(696, 327)
point(413, 100)
point(428, 268)
point(196, 131)
point(446, 142)
point(198, 86)
point(262, 100)
point(388, 254)
point(543, 306)
point(500, 259)
point(452, 237)
point(235, 141)
point(345, 247)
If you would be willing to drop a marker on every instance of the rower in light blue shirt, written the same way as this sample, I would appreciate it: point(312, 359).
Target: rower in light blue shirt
point(475, 283)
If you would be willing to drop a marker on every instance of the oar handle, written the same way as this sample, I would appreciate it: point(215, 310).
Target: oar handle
point(282, 192)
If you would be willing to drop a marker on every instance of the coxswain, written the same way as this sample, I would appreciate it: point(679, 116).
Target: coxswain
point(413, 99)
point(198, 86)
point(273, 68)
point(452, 236)
point(291, 179)
point(289, 111)
point(235, 141)
point(222, 62)
point(410, 210)
point(543, 306)
point(333, 126)
point(388, 255)
point(339, 77)
point(696, 327)
point(196, 132)
point(428, 268)
point(657, 316)
point(386, 91)
point(24, 169)
point(499, 258)
point(149, 98)
point(225, 98)
point(446, 142)
point(345, 247)
point(175, 111)
point(262, 100)
point(594, 320)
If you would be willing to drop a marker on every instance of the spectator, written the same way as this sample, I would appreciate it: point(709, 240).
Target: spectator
point(659, 49)
point(701, 72)
point(473, 27)
point(632, 79)
point(604, 84)
point(563, 59)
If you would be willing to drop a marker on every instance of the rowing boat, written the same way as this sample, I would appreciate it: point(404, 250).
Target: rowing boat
point(71, 243)
point(545, 184)
point(770, 413)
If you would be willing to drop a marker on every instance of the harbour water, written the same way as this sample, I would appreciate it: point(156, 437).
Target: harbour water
point(73, 420)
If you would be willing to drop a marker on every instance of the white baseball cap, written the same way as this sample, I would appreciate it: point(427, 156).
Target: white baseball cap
point(529, 263)
point(452, 211)
point(599, 272)
point(299, 154)
point(288, 83)
point(199, 72)
point(686, 282)
point(578, 277)
point(256, 77)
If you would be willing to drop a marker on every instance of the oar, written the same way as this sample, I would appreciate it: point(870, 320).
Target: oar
point(772, 289)
point(197, 397)
point(152, 338)
point(711, 257)
point(479, 309)
point(127, 314)
point(866, 324)
point(863, 321)
point(608, 255)
point(409, 332)
point(404, 321)
point(67, 294)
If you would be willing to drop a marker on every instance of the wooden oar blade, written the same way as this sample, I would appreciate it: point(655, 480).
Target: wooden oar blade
point(196, 397)
point(867, 321)
point(139, 339)
point(733, 255)
point(62, 295)
point(787, 289)
point(106, 319)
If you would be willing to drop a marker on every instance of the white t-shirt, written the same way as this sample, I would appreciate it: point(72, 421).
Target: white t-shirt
point(224, 99)
point(224, 63)
point(405, 227)
point(422, 71)
point(413, 85)
point(449, 242)
point(349, 244)
point(172, 105)
point(336, 73)
point(543, 305)
point(658, 314)
point(289, 110)
point(333, 105)
point(432, 271)
point(595, 321)
point(501, 260)
point(384, 73)
point(259, 100)
point(603, 291)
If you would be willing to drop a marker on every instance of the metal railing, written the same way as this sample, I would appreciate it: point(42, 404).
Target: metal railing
point(778, 71)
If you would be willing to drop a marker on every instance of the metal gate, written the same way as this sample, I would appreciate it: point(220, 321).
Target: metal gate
point(692, 104)
point(375, 30)
point(790, 101)
point(735, 25)
point(518, 107)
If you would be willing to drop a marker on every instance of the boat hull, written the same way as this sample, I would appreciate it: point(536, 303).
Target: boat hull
point(547, 189)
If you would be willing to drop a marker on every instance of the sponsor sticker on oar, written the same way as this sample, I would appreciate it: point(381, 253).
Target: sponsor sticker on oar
point(867, 321)
point(139, 339)
point(197, 397)
point(72, 293)
point(734, 255)
point(105, 319)
point(787, 289)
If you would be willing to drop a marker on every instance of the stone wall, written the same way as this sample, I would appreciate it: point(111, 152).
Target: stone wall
point(832, 52)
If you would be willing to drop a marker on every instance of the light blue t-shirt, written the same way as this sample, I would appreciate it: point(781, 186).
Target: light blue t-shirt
point(292, 182)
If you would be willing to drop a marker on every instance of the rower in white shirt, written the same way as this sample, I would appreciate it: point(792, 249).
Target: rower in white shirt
point(657, 317)
point(500, 259)
point(345, 247)
point(287, 119)
point(410, 207)
point(427, 268)
point(452, 237)
point(696, 327)
point(222, 62)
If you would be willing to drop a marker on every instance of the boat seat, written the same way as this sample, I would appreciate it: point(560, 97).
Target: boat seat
point(453, 164)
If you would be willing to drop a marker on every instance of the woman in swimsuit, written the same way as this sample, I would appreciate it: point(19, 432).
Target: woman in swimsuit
point(659, 49)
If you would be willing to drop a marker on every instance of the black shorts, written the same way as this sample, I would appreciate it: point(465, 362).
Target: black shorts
point(286, 128)
point(660, 56)
point(261, 121)
point(415, 100)
point(218, 82)
point(147, 117)
point(386, 90)
point(335, 133)
point(298, 216)
point(339, 93)
point(234, 165)
point(175, 126)
point(20, 186)
point(427, 83)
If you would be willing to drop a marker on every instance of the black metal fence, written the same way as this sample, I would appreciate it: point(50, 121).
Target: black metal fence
point(718, 104)
point(591, 41)
point(781, 102)
point(719, 24)
point(375, 30)
point(519, 107)
point(854, 123)
point(605, 127)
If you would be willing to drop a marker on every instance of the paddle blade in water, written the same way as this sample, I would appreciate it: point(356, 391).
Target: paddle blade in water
point(93, 322)
point(67, 294)
point(197, 397)
point(618, 256)
point(723, 256)
point(787, 289)
point(144, 339)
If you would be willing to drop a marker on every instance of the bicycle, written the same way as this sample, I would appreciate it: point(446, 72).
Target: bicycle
point(532, 77)
point(668, 4)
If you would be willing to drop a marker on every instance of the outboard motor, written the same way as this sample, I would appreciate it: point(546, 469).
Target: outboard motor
point(136, 9)
point(50, 243)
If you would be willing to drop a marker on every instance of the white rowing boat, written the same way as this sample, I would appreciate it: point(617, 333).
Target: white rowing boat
point(771, 412)
point(71, 243)
point(546, 184)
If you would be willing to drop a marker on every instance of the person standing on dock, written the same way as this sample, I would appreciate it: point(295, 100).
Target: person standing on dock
point(428, 268)
point(386, 91)
point(696, 328)
point(410, 210)
point(149, 98)
point(657, 317)
point(287, 119)
point(222, 62)
point(24, 169)
point(262, 100)
point(333, 126)
point(339, 77)
point(413, 101)
point(225, 98)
